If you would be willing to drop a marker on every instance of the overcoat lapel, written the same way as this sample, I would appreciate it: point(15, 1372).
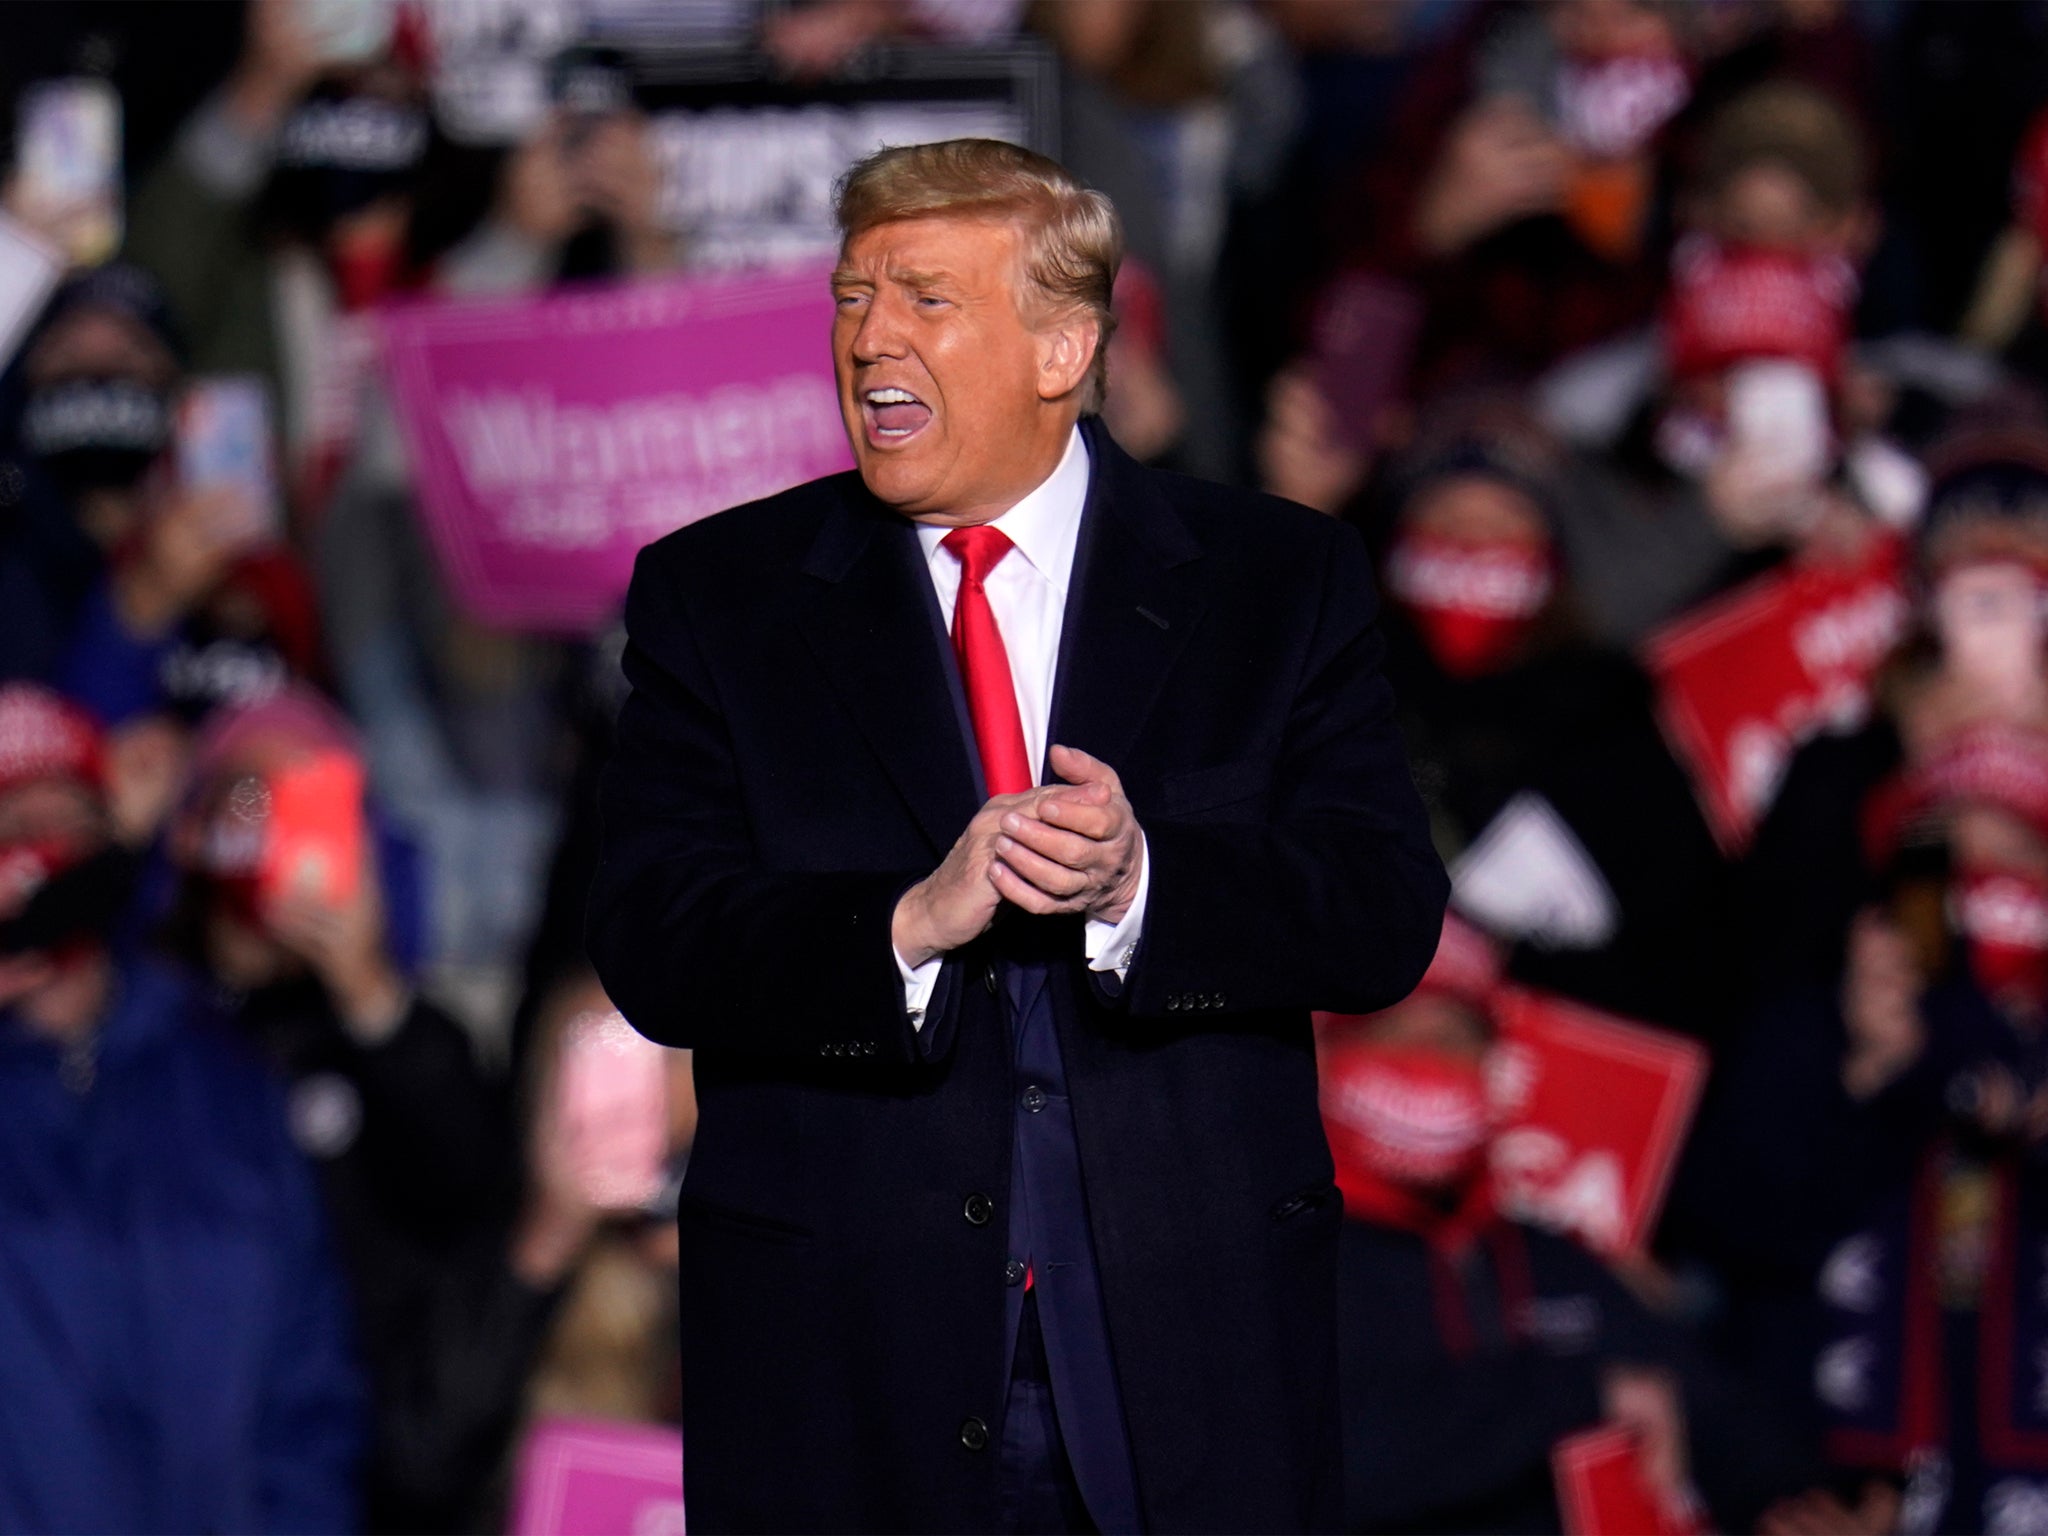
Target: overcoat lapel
point(874, 626)
point(1138, 591)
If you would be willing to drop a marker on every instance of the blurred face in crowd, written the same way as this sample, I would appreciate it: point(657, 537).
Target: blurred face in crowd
point(1985, 604)
point(1472, 568)
point(1479, 509)
point(56, 813)
point(1431, 1022)
point(1769, 204)
point(99, 343)
point(1988, 616)
point(222, 840)
point(98, 411)
point(1607, 28)
point(1405, 1102)
point(957, 392)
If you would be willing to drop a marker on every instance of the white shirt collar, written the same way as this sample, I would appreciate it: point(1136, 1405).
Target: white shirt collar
point(1046, 524)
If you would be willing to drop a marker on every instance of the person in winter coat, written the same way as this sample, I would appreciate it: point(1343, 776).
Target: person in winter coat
point(1872, 1170)
point(176, 1334)
point(1472, 1343)
point(283, 907)
point(1572, 833)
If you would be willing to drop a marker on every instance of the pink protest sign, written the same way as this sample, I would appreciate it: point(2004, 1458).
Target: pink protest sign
point(589, 1477)
point(551, 437)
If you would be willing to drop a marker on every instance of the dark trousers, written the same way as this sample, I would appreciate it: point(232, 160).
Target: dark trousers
point(1035, 1490)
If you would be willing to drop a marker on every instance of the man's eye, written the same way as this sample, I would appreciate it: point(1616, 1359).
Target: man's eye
point(930, 301)
point(848, 300)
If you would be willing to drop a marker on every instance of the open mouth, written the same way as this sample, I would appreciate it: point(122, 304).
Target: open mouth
point(893, 416)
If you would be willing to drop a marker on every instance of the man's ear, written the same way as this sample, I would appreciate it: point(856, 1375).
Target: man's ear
point(1066, 351)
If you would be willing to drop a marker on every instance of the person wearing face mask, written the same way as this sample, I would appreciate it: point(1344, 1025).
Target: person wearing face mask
point(87, 410)
point(1978, 654)
point(1516, 185)
point(280, 212)
point(1748, 439)
point(283, 907)
point(176, 1334)
point(1526, 734)
point(1471, 1344)
point(1873, 1166)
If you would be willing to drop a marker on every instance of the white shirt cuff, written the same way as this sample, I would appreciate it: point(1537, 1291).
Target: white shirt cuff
point(1109, 946)
point(918, 982)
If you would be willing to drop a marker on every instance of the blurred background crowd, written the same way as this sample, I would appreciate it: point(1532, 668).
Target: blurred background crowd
point(1683, 363)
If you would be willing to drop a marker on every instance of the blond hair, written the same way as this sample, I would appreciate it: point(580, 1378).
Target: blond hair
point(1073, 240)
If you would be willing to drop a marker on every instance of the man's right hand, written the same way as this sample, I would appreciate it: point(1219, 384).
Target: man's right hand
point(956, 902)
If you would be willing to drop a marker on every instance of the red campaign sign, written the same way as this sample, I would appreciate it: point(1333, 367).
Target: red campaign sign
point(1601, 1490)
point(1743, 681)
point(1592, 1111)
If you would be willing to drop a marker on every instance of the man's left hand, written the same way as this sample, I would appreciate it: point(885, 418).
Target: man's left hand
point(1082, 851)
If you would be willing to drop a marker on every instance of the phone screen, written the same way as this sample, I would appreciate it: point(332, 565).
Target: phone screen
point(224, 443)
point(69, 162)
point(29, 270)
point(1361, 342)
point(316, 836)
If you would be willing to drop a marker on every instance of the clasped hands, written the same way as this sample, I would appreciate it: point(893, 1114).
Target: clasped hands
point(1072, 847)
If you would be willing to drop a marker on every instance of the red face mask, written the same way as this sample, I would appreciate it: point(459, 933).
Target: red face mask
point(1411, 1117)
point(2003, 918)
point(1472, 603)
point(365, 268)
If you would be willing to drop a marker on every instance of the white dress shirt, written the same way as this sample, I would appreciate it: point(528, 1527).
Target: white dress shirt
point(1027, 592)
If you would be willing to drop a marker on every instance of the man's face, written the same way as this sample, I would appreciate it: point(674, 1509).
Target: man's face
point(951, 396)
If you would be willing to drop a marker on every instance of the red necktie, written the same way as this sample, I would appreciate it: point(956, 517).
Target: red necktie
point(984, 664)
point(985, 673)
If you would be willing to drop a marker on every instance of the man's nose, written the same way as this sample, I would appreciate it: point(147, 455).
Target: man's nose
point(880, 334)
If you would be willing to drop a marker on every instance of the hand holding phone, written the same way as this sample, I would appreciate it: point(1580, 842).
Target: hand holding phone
point(224, 446)
point(67, 180)
point(315, 844)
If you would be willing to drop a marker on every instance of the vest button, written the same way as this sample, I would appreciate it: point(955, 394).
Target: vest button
point(974, 1434)
point(978, 1208)
point(1034, 1099)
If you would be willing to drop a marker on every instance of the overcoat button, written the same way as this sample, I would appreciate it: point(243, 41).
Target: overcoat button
point(1013, 1272)
point(988, 977)
point(978, 1209)
point(974, 1434)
